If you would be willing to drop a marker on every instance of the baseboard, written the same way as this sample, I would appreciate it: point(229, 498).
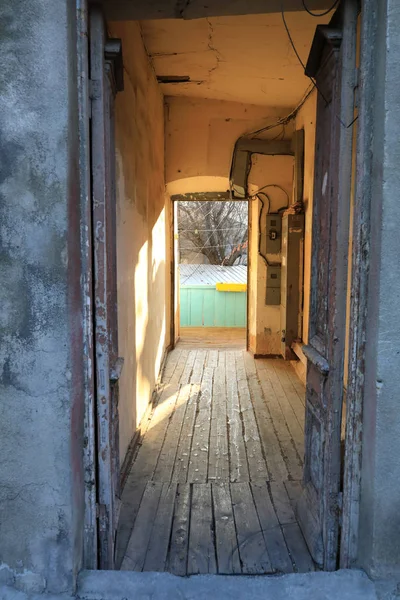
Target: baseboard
point(137, 436)
point(255, 355)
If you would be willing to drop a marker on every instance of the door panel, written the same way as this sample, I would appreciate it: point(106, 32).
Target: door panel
point(333, 67)
point(105, 80)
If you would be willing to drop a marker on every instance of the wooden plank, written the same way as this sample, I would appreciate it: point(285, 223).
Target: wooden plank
point(251, 544)
point(198, 464)
point(256, 461)
point(198, 367)
point(289, 452)
point(147, 457)
point(297, 384)
point(190, 360)
point(273, 536)
point(171, 363)
point(212, 338)
point(290, 391)
point(178, 555)
point(131, 499)
point(181, 465)
point(272, 450)
point(218, 459)
point(137, 548)
point(201, 555)
point(157, 551)
point(294, 490)
point(225, 532)
point(237, 450)
point(282, 503)
point(301, 557)
point(282, 402)
point(240, 368)
point(180, 368)
point(212, 359)
point(166, 460)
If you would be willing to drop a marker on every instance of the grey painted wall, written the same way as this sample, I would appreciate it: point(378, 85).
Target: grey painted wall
point(41, 400)
point(379, 548)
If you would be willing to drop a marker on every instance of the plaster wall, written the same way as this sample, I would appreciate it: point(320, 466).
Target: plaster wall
point(379, 179)
point(143, 314)
point(264, 325)
point(41, 366)
point(306, 119)
point(200, 137)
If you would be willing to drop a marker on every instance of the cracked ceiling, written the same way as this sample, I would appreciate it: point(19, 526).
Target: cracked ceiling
point(244, 59)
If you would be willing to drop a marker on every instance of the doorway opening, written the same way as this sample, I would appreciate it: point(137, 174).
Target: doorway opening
point(212, 272)
point(217, 477)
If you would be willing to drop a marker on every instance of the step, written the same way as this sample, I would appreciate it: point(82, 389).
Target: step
point(127, 585)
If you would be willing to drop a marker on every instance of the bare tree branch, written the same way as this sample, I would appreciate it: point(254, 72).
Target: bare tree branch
point(217, 230)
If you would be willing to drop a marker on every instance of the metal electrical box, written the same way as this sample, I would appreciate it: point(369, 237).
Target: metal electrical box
point(273, 289)
point(292, 281)
point(273, 233)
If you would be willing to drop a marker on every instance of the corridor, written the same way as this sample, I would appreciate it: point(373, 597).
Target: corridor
point(213, 481)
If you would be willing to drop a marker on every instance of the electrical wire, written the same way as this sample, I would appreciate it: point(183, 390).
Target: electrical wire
point(275, 185)
point(315, 85)
point(285, 120)
point(323, 14)
point(291, 40)
point(259, 225)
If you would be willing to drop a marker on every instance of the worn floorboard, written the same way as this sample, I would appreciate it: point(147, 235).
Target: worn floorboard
point(214, 483)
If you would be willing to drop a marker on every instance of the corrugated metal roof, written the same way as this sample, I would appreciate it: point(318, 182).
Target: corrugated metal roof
point(211, 274)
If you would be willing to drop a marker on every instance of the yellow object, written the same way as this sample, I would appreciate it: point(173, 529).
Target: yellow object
point(231, 287)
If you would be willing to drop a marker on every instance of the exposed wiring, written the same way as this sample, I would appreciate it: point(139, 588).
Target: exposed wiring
point(322, 14)
point(298, 55)
point(291, 40)
point(285, 120)
point(260, 214)
point(275, 185)
point(265, 259)
point(304, 67)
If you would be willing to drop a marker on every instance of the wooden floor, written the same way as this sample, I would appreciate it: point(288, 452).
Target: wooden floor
point(213, 483)
point(232, 338)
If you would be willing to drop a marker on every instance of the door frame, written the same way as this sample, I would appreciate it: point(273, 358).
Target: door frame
point(197, 197)
point(325, 357)
point(360, 269)
point(358, 312)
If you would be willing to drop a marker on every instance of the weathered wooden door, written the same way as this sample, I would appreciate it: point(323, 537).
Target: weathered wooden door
point(332, 64)
point(106, 78)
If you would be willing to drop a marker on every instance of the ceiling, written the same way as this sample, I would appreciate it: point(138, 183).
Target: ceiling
point(118, 10)
point(245, 59)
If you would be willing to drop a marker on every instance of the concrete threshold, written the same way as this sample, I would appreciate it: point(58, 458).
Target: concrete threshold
point(128, 585)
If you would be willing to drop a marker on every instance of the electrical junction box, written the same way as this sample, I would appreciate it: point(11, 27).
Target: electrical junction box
point(273, 290)
point(273, 234)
